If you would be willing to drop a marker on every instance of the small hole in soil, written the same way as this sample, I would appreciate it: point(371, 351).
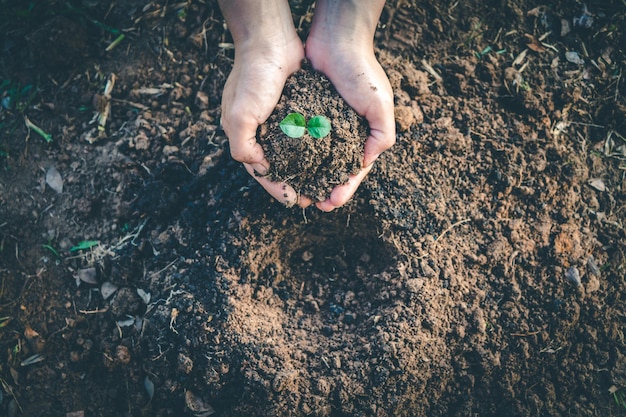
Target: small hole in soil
point(335, 249)
point(326, 267)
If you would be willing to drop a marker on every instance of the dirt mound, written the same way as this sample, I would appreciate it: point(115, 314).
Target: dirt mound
point(477, 271)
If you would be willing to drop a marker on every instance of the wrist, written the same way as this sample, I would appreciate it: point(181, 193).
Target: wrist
point(259, 24)
point(346, 22)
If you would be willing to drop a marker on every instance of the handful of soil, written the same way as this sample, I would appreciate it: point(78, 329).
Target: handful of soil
point(312, 166)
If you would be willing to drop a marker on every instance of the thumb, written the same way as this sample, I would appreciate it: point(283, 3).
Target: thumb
point(379, 140)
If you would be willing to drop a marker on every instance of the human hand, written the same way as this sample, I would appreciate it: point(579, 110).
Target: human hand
point(340, 45)
point(267, 51)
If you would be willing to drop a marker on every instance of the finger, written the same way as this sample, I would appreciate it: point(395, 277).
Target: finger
point(382, 130)
point(241, 133)
point(378, 142)
point(341, 194)
point(279, 190)
point(247, 151)
point(304, 202)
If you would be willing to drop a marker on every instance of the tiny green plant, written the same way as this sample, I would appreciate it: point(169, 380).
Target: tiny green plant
point(294, 125)
point(51, 249)
point(85, 244)
point(318, 126)
point(619, 395)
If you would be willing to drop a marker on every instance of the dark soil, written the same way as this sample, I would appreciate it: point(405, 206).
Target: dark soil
point(479, 269)
point(314, 166)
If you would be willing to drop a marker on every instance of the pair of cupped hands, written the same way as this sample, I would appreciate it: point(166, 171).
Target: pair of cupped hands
point(268, 50)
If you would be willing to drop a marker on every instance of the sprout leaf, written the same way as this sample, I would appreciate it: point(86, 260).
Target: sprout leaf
point(318, 126)
point(293, 125)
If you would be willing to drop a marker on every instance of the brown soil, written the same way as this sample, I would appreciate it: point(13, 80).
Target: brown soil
point(479, 269)
point(314, 166)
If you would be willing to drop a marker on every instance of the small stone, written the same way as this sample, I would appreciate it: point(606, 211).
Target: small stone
point(593, 283)
point(574, 58)
point(202, 100)
point(573, 275)
point(169, 150)
point(417, 113)
point(337, 362)
point(185, 364)
point(87, 275)
point(414, 285)
point(593, 267)
point(122, 355)
point(404, 118)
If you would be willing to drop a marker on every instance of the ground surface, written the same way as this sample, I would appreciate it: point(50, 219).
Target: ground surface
point(479, 270)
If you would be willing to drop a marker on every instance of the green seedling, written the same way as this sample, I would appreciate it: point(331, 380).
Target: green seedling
point(619, 395)
point(482, 53)
point(31, 126)
point(51, 249)
point(85, 244)
point(294, 125)
point(318, 127)
point(15, 96)
point(116, 42)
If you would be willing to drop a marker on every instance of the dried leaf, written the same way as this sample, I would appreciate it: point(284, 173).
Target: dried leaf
point(197, 405)
point(29, 333)
point(533, 43)
point(15, 375)
point(573, 276)
point(597, 183)
point(537, 11)
point(574, 58)
point(108, 289)
point(145, 296)
point(126, 322)
point(593, 267)
point(54, 179)
point(613, 148)
point(149, 386)
point(150, 91)
point(139, 322)
point(87, 275)
point(33, 359)
point(12, 408)
point(565, 27)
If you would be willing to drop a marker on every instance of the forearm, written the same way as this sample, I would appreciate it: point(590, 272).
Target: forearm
point(354, 21)
point(258, 22)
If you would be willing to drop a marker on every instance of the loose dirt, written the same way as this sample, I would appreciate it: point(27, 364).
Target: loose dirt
point(479, 269)
point(314, 166)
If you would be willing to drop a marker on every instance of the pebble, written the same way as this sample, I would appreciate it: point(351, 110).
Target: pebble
point(573, 276)
point(122, 355)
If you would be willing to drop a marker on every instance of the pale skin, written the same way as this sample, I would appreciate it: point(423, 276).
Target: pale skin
point(268, 50)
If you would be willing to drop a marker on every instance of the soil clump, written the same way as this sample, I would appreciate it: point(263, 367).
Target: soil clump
point(314, 166)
